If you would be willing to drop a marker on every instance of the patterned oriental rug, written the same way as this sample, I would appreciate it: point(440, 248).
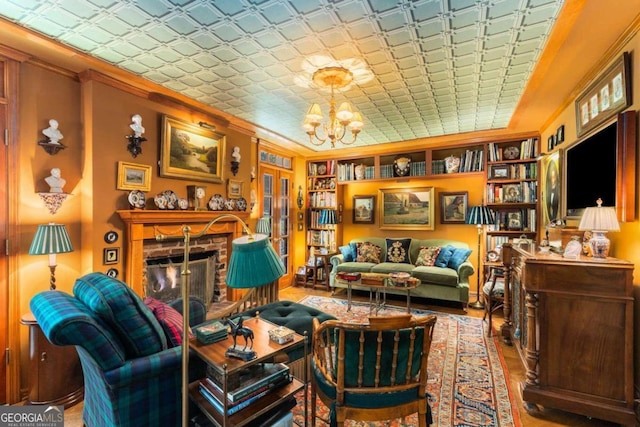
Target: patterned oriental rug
point(468, 383)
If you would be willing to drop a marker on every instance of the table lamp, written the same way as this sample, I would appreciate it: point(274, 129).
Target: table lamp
point(599, 219)
point(51, 239)
point(479, 215)
point(253, 263)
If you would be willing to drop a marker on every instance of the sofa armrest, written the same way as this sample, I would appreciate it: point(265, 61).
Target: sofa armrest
point(464, 271)
point(336, 260)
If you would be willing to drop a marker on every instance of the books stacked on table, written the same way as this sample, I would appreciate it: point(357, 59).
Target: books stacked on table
point(243, 387)
point(211, 332)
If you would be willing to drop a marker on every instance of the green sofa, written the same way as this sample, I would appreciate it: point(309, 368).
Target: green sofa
point(436, 282)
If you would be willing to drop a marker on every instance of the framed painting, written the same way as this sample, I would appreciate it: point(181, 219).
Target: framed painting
point(406, 208)
point(364, 208)
point(234, 189)
point(609, 94)
point(132, 176)
point(551, 188)
point(190, 152)
point(453, 207)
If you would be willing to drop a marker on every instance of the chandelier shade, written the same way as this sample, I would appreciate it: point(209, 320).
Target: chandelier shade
point(335, 129)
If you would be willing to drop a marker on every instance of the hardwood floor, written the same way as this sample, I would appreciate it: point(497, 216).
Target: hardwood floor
point(546, 417)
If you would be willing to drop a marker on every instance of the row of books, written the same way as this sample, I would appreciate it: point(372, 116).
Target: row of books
point(470, 161)
point(528, 150)
point(323, 199)
point(243, 387)
point(514, 171)
point(516, 220)
point(322, 168)
point(347, 172)
point(321, 237)
point(522, 192)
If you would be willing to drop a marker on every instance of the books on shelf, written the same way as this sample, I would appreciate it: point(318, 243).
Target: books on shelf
point(528, 150)
point(211, 332)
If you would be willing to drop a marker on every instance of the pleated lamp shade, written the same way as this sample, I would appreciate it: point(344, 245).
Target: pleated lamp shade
point(263, 226)
point(253, 262)
point(480, 215)
point(50, 239)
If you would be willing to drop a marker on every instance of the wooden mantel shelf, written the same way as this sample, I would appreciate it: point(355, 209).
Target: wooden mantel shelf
point(141, 225)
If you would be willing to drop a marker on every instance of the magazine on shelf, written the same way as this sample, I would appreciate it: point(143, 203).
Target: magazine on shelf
point(248, 380)
point(216, 390)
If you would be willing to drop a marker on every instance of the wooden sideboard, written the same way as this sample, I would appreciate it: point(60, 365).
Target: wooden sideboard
point(572, 323)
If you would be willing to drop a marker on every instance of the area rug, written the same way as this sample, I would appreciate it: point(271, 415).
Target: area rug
point(468, 384)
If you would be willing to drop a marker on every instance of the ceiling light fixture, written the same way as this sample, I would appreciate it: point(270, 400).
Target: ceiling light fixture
point(340, 120)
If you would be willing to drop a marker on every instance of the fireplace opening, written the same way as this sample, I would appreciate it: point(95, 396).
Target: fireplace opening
point(164, 277)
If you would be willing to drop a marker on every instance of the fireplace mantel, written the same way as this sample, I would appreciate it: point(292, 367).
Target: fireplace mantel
point(143, 224)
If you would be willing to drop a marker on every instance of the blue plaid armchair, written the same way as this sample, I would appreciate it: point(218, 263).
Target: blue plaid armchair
point(132, 375)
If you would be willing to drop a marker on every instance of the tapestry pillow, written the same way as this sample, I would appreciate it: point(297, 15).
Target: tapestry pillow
point(169, 318)
point(427, 256)
point(368, 252)
point(124, 311)
point(458, 257)
point(444, 256)
point(348, 252)
point(398, 250)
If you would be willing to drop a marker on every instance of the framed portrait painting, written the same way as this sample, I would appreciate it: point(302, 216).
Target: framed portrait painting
point(364, 208)
point(453, 207)
point(406, 208)
point(551, 191)
point(190, 152)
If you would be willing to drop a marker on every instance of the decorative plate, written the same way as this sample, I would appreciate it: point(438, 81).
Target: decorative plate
point(493, 256)
point(322, 169)
point(241, 204)
point(172, 199)
point(511, 153)
point(111, 236)
point(230, 204)
point(136, 199)
point(216, 202)
point(160, 201)
point(183, 203)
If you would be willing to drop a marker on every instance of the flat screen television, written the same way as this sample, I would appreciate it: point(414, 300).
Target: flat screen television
point(591, 171)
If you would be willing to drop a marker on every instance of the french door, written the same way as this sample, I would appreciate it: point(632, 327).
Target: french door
point(276, 205)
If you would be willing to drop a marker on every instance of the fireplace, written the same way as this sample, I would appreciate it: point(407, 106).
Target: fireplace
point(141, 246)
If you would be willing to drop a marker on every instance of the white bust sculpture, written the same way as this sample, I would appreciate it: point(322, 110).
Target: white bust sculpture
point(236, 154)
point(52, 132)
point(55, 181)
point(136, 126)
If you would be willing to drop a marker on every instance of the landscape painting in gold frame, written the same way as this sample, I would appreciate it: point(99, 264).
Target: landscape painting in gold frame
point(406, 208)
point(133, 176)
point(191, 152)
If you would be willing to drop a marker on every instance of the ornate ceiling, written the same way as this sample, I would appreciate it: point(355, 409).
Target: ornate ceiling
point(439, 66)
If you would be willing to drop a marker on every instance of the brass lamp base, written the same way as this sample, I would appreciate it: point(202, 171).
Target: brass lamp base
point(478, 305)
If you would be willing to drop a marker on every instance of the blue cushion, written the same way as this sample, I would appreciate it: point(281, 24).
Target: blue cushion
point(459, 256)
point(348, 254)
point(124, 311)
point(444, 256)
point(398, 251)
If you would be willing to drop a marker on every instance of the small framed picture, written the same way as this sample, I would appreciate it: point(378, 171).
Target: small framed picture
point(234, 189)
point(300, 226)
point(453, 207)
point(511, 193)
point(300, 216)
point(364, 208)
point(110, 256)
point(500, 172)
point(514, 220)
point(132, 176)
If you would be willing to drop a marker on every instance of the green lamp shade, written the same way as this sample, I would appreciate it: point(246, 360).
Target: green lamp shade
point(264, 225)
point(50, 239)
point(253, 262)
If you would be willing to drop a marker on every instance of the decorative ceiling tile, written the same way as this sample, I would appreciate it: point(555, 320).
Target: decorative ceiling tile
point(449, 66)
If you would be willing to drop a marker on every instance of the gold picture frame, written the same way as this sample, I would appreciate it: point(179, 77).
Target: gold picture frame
point(551, 187)
point(609, 94)
point(234, 189)
point(406, 208)
point(133, 176)
point(191, 152)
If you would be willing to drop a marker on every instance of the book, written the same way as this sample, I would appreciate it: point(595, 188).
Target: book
point(216, 390)
point(211, 398)
point(250, 379)
point(211, 332)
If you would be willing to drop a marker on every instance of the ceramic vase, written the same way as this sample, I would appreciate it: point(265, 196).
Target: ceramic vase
point(452, 164)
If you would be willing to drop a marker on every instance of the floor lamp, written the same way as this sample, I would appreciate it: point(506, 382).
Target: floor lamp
point(479, 216)
point(51, 239)
point(253, 263)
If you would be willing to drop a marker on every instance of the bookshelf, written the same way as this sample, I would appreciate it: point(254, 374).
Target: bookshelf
point(323, 204)
point(512, 190)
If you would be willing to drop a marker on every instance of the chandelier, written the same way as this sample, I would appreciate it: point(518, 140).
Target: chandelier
point(339, 120)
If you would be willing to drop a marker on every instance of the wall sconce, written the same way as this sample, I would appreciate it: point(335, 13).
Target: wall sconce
point(136, 140)
point(235, 162)
point(300, 199)
point(52, 144)
point(51, 239)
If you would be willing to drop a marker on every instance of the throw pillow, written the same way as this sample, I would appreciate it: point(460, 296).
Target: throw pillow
point(459, 256)
point(347, 252)
point(398, 250)
point(368, 252)
point(427, 256)
point(169, 318)
point(444, 256)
